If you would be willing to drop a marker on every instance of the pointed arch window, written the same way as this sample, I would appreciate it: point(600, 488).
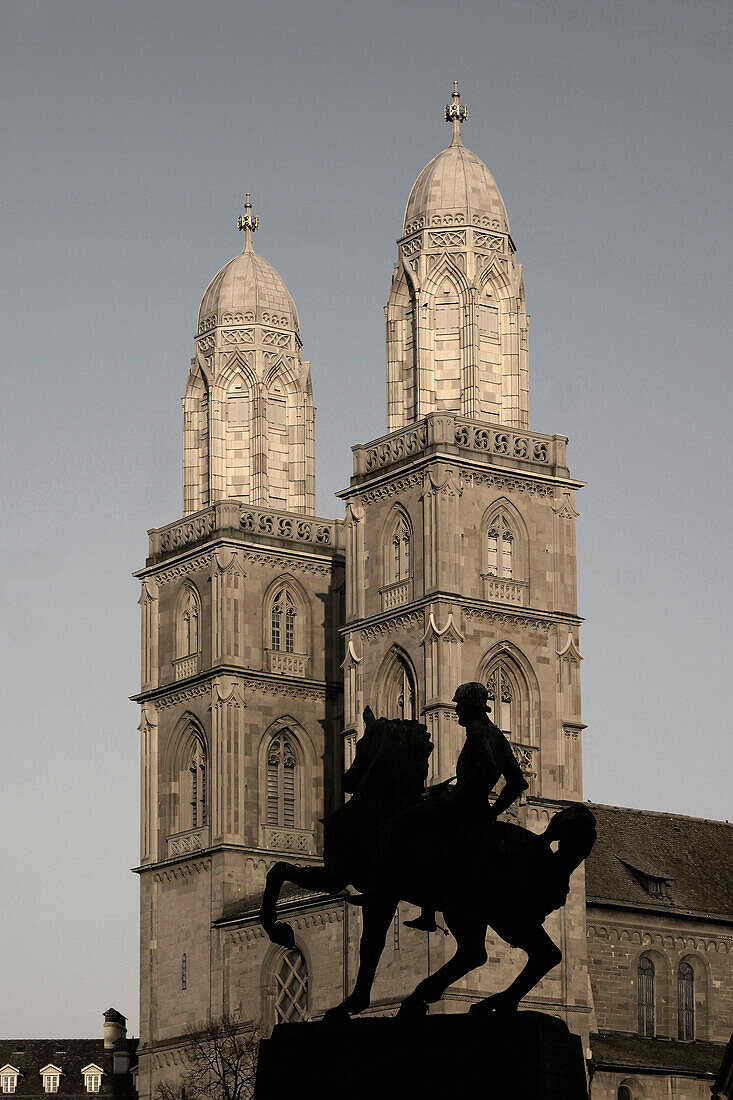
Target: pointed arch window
point(685, 1001)
point(503, 700)
point(282, 622)
point(400, 552)
point(197, 785)
point(500, 548)
point(281, 781)
point(645, 978)
point(399, 692)
point(291, 989)
point(188, 632)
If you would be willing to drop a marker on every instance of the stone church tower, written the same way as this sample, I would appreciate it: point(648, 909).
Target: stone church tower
point(266, 630)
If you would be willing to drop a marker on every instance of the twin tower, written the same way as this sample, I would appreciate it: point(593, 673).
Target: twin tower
point(266, 630)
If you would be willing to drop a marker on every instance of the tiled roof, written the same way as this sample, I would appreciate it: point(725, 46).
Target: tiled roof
point(613, 1050)
point(71, 1055)
point(693, 856)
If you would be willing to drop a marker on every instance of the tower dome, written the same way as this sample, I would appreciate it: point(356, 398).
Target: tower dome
point(247, 290)
point(456, 319)
point(455, 188)
point(248, 407)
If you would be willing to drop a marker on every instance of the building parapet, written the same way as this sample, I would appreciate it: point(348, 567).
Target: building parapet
point(512, 447)
point(239, 520)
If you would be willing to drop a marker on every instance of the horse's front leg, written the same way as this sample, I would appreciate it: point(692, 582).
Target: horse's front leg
point(378, 915)
point(542, 955)
point(310, 878)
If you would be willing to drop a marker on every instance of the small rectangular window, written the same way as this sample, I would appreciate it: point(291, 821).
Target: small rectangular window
point(93, 1082)
point(8, 1083)
point(51, 1082)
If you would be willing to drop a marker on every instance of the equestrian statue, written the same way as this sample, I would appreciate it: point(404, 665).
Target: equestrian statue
point(442, 849)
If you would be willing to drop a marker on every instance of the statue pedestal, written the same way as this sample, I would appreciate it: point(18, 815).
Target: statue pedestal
point(528, 1054)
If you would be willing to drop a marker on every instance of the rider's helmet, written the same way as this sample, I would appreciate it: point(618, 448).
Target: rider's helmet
point(472, 694)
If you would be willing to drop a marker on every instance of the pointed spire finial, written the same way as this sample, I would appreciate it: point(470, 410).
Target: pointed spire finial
point(248, 223)
point(456, 113)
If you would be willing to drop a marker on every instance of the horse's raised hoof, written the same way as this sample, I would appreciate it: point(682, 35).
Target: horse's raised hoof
point(412, 1008)
point(282, 934)
point(498, 1004)
point(339, 1014)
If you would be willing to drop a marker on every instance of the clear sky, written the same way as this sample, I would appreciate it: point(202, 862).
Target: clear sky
point(130, 132)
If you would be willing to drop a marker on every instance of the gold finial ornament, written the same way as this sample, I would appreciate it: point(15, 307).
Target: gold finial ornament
point(456, 112)
point(248, 223)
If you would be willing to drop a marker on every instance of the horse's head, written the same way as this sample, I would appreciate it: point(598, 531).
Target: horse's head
point(391, 760)
point(574, 829)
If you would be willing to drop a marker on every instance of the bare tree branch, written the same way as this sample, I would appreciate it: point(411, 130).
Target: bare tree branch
point(221, 1059)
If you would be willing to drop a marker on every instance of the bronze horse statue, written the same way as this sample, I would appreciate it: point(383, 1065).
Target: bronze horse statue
point(478, 874)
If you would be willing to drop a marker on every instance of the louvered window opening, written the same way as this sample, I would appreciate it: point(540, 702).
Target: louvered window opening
point(197, 769)
point(500, 548)
point(291, 984)
point(283, 623)
point(685, 1001)
point(645, 994)
point(281, 763)
point(400, 563)
point(501, 699)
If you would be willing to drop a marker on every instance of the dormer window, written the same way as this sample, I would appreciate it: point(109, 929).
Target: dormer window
point(9, 1078)
point(51, 1076)
point(653, 881)
point(92, 1075)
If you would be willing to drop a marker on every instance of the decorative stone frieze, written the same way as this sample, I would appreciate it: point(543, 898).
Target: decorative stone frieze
point(188, 842)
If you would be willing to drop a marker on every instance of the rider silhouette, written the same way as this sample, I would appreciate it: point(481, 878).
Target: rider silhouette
point(485, 757)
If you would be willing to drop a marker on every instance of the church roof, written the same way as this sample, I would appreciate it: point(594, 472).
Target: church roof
point(622, 1052)
point(691, 857)
point(456, 182)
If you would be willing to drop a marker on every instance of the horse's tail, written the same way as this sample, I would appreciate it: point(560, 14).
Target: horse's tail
point(574, 829)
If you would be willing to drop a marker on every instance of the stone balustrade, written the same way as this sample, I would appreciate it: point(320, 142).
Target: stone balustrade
point(287, 664)
point(395, 595)
point(284, 839)
point(501, 590)
point(236, 519)
point(527, 758)
point(186, 666)
point(513, 446)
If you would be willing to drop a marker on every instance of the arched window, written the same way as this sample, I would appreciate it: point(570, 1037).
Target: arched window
point(645, 996)
point(500, 552)
point(503, 700)
point(398, 551)
point(281, 781)
point(685, 1001)
point(282, 622)
point(398, 695)
point(197, 784)
point(624, 1093)
point(189, 614)
point(401, 551)
point(291, 989)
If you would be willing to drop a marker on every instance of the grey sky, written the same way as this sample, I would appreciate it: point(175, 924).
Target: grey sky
point(130, 132)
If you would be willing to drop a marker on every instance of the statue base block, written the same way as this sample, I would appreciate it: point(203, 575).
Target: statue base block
point(378, 1058)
